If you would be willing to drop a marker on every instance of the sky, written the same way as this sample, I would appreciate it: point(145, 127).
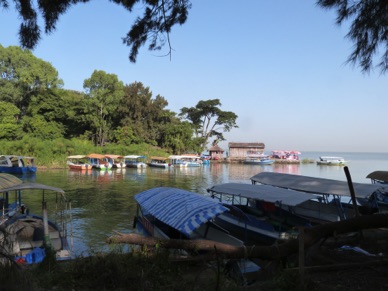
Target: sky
point(280, 66)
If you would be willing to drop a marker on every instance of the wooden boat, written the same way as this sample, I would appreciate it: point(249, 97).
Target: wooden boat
point(25, 236)
point(331, 191)
point(159, 162)
point(259, 214)
point(117, 161)
point(78, 162)
point(135, 161)
point(99, 162)
point(17, 164)
point(331, 161)
point(175, 213)
point(258, 159)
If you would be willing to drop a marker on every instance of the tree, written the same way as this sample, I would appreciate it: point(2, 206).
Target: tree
point(10, 129)
point(158, 18)
point(368, 29)
point(104, 91)
point(209, 121)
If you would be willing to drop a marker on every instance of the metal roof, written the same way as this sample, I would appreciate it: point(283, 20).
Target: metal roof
point(180, 209)
point(314, 185)
point(379, 176)
point(7, 180)
point(262, 192)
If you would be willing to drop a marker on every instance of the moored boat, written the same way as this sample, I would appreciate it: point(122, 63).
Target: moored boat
point(26, 236)
point(258, 159)
point(99, 162)
point(159, 162)
point(14, 164)
point(192, 160)
point(331, 191)
point(117, 161)
point(78, 162)
point(331, 161)
point(135, 161)
point(259, 214)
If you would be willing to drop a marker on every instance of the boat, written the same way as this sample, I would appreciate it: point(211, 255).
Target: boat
point(259, 214)
point(78, 162)
point(26, 236)
point(135, 161)
point(99, 162)
point(192, 160)
point(331, 191)
point(378, 177)
point(288, 156)
point(331, 161)
point(176, 161)
point(258, 159)
point(173, 213)
point(117, 161)
point(159, 162)
point(14, 164)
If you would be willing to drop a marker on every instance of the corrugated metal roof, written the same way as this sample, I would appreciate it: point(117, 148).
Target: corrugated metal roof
point(259, 145)
point(315, 185)
point(7, 180)
point(262, 192)
point(183, 210)
point(381, 176)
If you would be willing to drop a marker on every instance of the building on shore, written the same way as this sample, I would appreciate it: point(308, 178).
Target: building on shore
point(216, 153)
point(239, 150)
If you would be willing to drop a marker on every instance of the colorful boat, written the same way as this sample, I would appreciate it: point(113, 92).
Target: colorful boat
point(17, 164)
point(117, 161)
point(99, 162)
point(26, 236)
point(159, 162)
point(78, 162)
point(135, 161)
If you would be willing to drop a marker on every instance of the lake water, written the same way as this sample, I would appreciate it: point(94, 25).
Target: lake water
point(102, 202)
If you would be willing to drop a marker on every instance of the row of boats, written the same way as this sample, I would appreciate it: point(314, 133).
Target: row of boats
point(263, 159)
point(104, 162)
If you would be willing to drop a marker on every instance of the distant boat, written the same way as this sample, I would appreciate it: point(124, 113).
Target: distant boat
point(192, 160)
point(331, 161)
point(135, 161)
point(258, 159)
point(117, 161)
point(159, 162)
point(78, 162)
point(99, 162)
point(17, 164)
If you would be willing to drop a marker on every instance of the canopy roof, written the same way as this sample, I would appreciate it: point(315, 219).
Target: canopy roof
point(134, 157)
point(381, 176)
point(96, 156)
point(183, 210)
point(77, 157)
point(11, 183)
point(114, 156)
point(262, 192)
point(314, 185)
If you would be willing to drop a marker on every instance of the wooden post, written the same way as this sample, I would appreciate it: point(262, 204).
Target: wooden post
point(301, 256)
point(351, 189)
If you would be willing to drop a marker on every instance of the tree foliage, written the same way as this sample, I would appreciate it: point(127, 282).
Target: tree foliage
point(368, 29)
point(208, 120)
point(155, 25)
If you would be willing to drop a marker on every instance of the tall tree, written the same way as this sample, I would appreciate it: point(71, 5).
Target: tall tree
point(22, 75)
point(368, 29)
point(10, 128)
point(209, 120)
point(104, 91)
point(155, 25)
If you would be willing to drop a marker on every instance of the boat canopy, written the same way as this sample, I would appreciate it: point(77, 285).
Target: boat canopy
point(262, 192)
point(114, 156)
point(7, 181)
point(96, 156)
point(77, 157)
point(315, 185)
point(183, 210)
point(381, 176)
point(134, 157)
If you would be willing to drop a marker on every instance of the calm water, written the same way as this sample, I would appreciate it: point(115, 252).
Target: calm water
point(102, 202)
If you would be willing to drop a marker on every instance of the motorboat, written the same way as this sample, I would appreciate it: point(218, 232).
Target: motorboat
point(14, 164)
point(117, 161)
point(159, 162)
point(258, 159)
point(99, 162)
point(135, 161)
point(331, 161)
point(78, 162)
point(26, 236)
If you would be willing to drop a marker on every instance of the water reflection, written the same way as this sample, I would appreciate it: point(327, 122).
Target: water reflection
point(102, 201)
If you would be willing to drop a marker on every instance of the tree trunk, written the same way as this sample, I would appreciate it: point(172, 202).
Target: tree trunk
point(281, 249)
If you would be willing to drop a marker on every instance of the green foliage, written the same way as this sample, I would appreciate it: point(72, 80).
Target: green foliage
point(208, 120)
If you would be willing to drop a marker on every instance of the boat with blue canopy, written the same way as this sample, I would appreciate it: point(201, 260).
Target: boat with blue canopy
point(173, 213)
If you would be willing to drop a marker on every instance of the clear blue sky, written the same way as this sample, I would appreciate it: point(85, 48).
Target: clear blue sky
point(279, 65)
